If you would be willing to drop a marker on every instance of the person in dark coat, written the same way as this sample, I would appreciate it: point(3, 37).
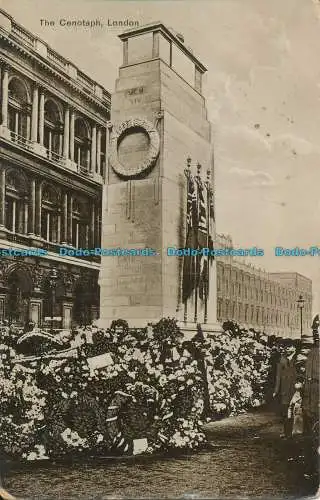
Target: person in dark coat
point(310, 393)
point(286, 378)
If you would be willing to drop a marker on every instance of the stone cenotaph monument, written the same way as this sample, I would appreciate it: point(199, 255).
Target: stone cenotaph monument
point(158, 120)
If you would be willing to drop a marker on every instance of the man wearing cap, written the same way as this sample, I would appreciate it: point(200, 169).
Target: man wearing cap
point(286, 378)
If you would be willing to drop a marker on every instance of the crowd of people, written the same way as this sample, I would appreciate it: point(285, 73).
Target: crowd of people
point(295, 382)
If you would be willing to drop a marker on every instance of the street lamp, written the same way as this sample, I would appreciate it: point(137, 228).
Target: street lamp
point(300, 303)
point(53, 277)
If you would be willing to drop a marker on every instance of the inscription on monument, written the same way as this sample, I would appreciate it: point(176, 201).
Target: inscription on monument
point(134, 95)
point(134, 91)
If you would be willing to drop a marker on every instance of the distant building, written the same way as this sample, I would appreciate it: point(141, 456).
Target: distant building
point(264, 301)
point(52, 161)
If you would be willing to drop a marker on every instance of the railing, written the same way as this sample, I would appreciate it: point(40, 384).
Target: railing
point(87, 84)
point(85, 81)
point(56, 157)
point(84, 170)
point(23, 35)
point(52, 247)
point(105, 95)
point(20, 140)
point(17, 238)
point(57, 59)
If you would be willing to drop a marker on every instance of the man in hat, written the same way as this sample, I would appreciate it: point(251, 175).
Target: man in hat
point(310, 394)
point(286, 378)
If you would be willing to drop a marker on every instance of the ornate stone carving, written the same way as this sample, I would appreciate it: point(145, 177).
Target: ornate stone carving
point(37, 276)
point(119, 132)
point(68, 281)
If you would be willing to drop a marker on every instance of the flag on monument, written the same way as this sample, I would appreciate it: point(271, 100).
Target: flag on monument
point(202, 226)
point(189, 262)
point(202, 268)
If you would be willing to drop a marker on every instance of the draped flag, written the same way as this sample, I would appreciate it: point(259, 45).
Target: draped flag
point(189, 262)
point(199, 234)
point(211, 220)
point(202, 241)
point(208, 219)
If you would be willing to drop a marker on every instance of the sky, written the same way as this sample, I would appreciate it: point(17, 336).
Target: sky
point(262, 90)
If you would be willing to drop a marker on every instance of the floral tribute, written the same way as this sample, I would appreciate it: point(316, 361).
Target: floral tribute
point(237, 363)
point(120, 390)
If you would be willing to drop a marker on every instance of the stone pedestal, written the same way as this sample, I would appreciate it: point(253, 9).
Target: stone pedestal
point(159, 118)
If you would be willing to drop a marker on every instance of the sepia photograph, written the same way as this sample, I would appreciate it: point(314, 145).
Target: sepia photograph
point(159, 252)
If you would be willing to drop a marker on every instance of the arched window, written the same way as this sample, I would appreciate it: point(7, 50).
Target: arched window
point(82, 310)
point(16, 203)
point(50, 215)
point(18, 295)
point(53, 299)
point(19, 111)
point(82, 145)
point(80, 224)
point(53, 130)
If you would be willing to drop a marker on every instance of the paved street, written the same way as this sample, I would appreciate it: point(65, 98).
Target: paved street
point(246, 458)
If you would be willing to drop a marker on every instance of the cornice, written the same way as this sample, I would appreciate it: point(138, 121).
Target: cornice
point(66, 79)
point(35, 165)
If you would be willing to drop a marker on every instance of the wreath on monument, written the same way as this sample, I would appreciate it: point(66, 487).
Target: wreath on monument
point(154, 146)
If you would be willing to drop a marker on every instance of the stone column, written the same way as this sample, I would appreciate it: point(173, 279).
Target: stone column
point(98, 226)
point(25, 219)
point(92, 228)
point(106, 167)
point(93, 149)
point(41, 117)
point(98, 167)
point(72, 135)
point(125, 52)
point(14, 210)
point(34, 116)
point(66, 133)
point(69, 219)
point(32, 208)
point(4, 104)
point(155, 45)
point(38, 209)
point(28, 127)
point(64, 235)
point(2, 197)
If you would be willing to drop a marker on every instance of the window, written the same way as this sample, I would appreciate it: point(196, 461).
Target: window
point(19, 111)
point(53, 129)
point(80, 224)
point(50, 215)
point(82, 145)
point(16, 203)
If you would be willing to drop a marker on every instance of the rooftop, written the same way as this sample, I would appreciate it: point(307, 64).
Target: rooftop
point(32, 46)
point(168, 33)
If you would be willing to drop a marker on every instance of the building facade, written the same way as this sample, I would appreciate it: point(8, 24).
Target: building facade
point(261, 300)
point(53, 138)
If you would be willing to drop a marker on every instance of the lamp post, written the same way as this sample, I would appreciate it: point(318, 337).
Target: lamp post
point(53, 277)
point(300, 303)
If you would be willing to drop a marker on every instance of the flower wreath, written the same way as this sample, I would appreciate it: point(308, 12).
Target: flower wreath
point(153, 152)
